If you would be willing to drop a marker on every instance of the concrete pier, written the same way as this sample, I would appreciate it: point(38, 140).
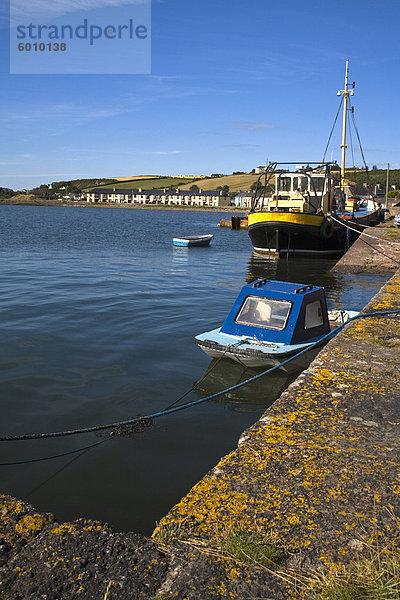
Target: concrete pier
point(319, 473)
point(378, 251)
point(321, 468)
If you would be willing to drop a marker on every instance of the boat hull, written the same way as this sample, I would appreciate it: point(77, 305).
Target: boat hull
point(254, 358)
point(252, 352)
point(284, 233)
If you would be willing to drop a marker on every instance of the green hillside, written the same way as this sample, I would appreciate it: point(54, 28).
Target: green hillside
point(75, 186)
point(375, 176)
point(152, 182)
point(236, 183)
point(6, 193)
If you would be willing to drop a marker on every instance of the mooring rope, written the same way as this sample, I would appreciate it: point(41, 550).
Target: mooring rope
point(43, 458)
point(206, 374)
point(142, 419)
point(374, 237)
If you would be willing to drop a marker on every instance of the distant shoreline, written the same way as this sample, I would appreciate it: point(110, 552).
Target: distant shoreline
point(42, 202)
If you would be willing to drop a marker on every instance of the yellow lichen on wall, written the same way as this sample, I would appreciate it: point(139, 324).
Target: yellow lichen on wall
point(9, 508)
point(17, 520)
point(30, 523)
point(76, 527)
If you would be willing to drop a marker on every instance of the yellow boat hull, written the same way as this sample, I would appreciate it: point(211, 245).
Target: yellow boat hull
point(296, 233)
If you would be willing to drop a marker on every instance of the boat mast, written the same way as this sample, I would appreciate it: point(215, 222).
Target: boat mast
point(345, 94)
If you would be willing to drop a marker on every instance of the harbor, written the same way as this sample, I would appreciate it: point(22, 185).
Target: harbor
point(318, 472)
point(312, 482)
point(200, 301)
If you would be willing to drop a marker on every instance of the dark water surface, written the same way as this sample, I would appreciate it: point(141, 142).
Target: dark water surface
point(97, 312)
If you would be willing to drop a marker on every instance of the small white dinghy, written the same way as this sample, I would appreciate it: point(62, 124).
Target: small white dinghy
point(193, 240)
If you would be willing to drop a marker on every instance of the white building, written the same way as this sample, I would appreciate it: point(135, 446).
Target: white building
point(167, 197)
point(243, 200)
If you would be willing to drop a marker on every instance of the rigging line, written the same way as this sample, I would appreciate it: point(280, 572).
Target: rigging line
point(351, 146)
point(358, 135)
point(360, 145)
point(332, 130)
point(156, 415)
point(374, 237)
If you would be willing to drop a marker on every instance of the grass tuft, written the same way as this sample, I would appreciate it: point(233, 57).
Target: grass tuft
point(392, 233)
point(366, 579)
point(393, 342)
point(169, 533)
point(251, 548)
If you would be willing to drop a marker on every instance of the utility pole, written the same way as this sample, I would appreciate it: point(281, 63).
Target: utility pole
point(387, 184)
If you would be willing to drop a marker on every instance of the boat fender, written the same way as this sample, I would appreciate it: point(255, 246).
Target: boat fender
point(326, 229)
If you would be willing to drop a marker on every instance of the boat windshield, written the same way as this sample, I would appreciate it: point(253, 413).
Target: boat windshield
point(300, 184)
point(264, 312)
point(318, 184)
point(285, 184)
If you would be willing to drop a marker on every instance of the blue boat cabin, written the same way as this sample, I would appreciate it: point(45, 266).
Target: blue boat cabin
point(278, 312)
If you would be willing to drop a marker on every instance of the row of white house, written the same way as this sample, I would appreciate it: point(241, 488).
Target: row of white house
point(243, 200)
point(167, 197)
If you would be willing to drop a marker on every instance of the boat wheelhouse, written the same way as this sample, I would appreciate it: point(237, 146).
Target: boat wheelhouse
point(301, 191)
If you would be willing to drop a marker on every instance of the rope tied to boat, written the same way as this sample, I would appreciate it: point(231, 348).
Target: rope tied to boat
point(174, 409)
point(374, 237)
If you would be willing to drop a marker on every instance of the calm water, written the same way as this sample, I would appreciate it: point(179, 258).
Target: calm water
point(98, 311)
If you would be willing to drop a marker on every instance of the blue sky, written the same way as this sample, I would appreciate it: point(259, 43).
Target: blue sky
point(232, 84)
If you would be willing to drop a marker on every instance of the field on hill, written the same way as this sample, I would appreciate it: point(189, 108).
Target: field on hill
point(236, 183)
point(134, 177)
point(154, 182)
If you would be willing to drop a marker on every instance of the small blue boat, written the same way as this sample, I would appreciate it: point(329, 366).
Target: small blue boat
point(271, 321)
point(193, 240)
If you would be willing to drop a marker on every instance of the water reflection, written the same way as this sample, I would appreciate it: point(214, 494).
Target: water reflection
point(301, 270)
point(260, 394)
point(341, 289)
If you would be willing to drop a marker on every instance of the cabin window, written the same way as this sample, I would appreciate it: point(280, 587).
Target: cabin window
point(285, 184)
point(300, 184)
point(318, 184)
point(314, 316)
point(264, 312)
